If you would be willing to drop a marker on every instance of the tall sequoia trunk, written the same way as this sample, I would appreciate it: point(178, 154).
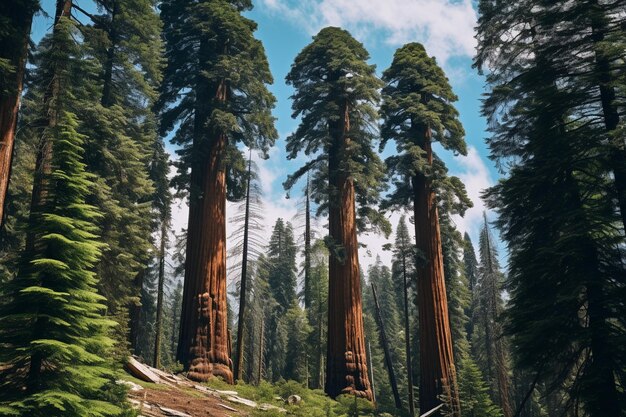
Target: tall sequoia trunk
point(437, 369)
point(203, 342)
point(346, 369)
point(244, 280)
point(15, 50)
point(160, 289)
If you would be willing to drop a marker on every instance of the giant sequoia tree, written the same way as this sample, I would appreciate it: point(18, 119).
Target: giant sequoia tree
point(417, 111)
point(336, 91)
point(559, 207)
point(15, 18)
point(214, 93)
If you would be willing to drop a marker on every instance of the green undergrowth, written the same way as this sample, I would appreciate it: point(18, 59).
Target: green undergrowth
point(314, 402)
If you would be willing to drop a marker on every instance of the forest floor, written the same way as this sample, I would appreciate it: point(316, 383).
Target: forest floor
point(173, 401)
point(155, 393)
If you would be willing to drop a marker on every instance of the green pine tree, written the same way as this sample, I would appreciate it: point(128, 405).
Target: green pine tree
point(281, 281)
point(54, 338)
point(122, 130)
point(474, 392)
point(559, 209)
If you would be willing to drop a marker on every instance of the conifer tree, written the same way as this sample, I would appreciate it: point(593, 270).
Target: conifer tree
point(281, 287)
point(417, 111)
point(247, 247)
point(557, 205)
point(15, 19)
point(214, 93)
point(391, 313)
point(403, 274)
point(121, 126)
point(54, 338)
point(470, 269)
point(175, 308)
point(281, 256)
point(318, 311)
point(489, 342)
point(474, 392)
point(161, 205)
point(335, 95)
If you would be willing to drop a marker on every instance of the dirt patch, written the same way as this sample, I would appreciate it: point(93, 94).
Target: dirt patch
point(196, 405)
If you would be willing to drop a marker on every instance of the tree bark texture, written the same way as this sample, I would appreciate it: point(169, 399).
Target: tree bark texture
point(346, 369)
point(436, 358)
point(13, 48)
point(203, 342)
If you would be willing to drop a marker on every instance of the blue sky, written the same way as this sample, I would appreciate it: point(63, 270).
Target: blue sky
point(445, 27)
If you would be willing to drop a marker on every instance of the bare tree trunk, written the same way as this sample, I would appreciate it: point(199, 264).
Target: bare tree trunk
point(371, 369)
point(203, 345)
point(107, 86)
point(134, 311)
point(307, 247)
point(15, 50)
point(243, 282)
point(388, 360)
point(407, 338)
point(346, 369)
point(436, 358)
point(261, 346)
point(160, 285)
point(320, 333)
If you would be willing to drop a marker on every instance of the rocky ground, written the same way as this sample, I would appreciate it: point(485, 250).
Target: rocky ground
point(159, 394)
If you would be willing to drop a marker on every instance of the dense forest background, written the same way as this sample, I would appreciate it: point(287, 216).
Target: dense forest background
point(127, 109)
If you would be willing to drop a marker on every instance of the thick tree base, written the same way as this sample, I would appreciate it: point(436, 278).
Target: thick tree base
point(207, 359)
point(354, 371)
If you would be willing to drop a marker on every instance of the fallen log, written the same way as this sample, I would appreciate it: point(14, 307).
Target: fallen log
point(141, 371)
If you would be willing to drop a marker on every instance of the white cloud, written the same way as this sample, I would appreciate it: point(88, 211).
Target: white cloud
point(476, 177)
point(446, 27)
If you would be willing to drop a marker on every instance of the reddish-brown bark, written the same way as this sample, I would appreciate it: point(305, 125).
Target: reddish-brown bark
point(203, 344)
point(15, 50)
point(436, 358)
point(346, 371)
